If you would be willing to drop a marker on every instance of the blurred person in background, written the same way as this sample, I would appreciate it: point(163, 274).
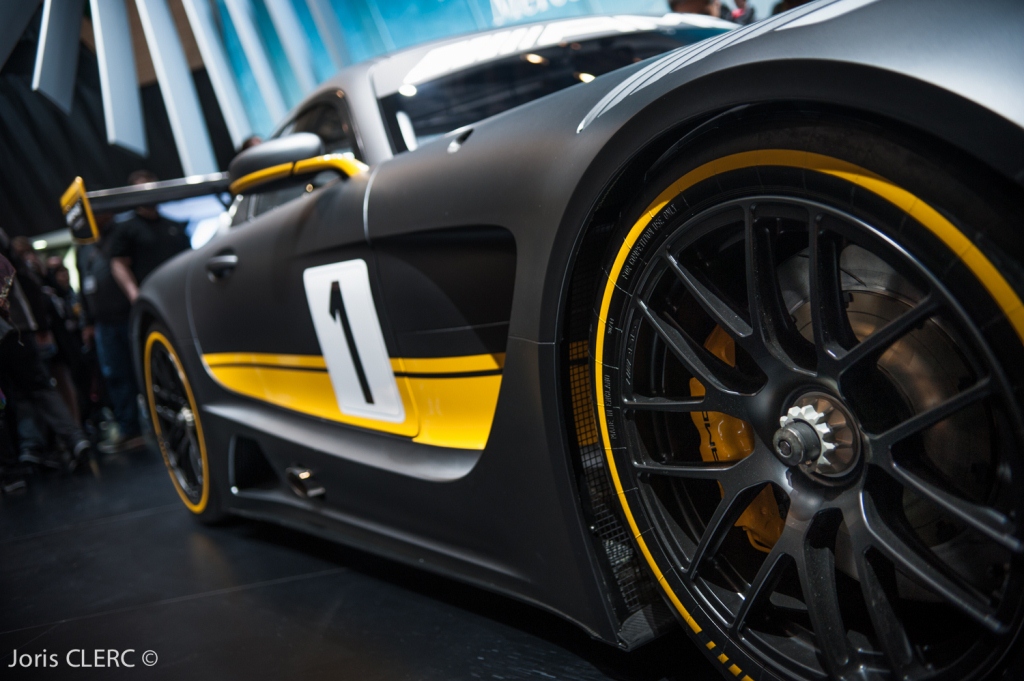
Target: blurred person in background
point(144, 242)
point(743, 14)
point(133, 248)
point(21, 248)
point(67, 365)
point(58, 337)
point(785, 5)
point(711, 8)
point(11, 479)
point(24, 376)
point(85, 368)
point(105, 317)
point(250, 142)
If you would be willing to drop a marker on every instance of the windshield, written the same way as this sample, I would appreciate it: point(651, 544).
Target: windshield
point(417, 114)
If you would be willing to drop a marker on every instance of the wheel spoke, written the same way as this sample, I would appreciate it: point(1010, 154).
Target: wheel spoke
point(817, 568)
point(172, 435)
point(165, 372)
point(988, 521)
point(930, 417)
point(707, 368)
point(718, 309)
point(641, 403)
point(770, 320)
point(832, 332)
point(879, 341)
point(166, 413)
point(167, 397)
point(734, 501)
point(877, 582)
point(186, 469)
point(692, 472)
point(733, 404)
point(909, 558)
point(746, 471)
point(196, 461)
point(176, 435)
point(768, 575)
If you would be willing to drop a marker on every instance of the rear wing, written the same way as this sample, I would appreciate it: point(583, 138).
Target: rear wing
point(289, 159)
point(80, 207)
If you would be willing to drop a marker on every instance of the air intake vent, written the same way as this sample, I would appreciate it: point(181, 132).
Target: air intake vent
point(249, 467)
point(638, 604)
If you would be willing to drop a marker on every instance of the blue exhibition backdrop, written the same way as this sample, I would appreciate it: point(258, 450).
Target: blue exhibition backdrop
point(373, 27)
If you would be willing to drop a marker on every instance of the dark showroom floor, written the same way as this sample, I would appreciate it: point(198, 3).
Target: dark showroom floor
point(109, 559)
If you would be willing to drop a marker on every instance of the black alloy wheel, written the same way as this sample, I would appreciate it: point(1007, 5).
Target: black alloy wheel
point(811, 407)
point(177, 427)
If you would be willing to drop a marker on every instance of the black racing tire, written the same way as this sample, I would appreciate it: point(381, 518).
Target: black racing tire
point(174, 414)
point(873, 285)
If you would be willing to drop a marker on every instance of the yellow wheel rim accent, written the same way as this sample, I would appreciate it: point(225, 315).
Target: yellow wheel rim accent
point(153, 339)
point(963, 247)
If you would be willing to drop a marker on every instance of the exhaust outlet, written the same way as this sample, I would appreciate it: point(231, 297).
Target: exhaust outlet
point(303, 484)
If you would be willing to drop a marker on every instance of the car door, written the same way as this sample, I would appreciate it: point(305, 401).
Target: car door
point(285, 313)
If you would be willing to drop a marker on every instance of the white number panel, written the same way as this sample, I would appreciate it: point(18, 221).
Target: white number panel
point(348, 329)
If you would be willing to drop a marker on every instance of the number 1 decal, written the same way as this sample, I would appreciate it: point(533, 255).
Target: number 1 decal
point(351, 340)
point(338, 312)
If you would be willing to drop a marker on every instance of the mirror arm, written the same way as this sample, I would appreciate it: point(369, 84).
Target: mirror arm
point(347, 167)
point(344, 165)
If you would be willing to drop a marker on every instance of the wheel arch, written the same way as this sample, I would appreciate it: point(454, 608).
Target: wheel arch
point(924, 115)
point(144, 315)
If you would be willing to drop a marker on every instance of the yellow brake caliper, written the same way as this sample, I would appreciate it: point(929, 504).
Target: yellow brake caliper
point(725, 438)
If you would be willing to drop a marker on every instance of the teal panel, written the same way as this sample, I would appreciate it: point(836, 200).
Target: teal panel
point(323, 66)
point(364, 40)
point(412, 23)
point(252, 100)
point(283, 74)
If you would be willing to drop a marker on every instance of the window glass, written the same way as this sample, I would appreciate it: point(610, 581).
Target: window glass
point(327, 121)
point(331, 124)
point(416, 115)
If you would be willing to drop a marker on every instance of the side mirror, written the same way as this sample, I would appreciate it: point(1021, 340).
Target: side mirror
point(293, 156)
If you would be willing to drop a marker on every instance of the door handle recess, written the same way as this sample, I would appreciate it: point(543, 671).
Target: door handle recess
point(220, 266)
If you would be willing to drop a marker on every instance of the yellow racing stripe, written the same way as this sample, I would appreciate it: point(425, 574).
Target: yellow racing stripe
point(448, 365)
point(264, 359)
point(442, 407)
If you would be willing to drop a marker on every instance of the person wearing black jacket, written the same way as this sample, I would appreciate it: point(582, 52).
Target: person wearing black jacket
point(140, 244)
point(10, 477)
point(71, 365)
point(135, 247)
point(106, 310)
point(24, 376)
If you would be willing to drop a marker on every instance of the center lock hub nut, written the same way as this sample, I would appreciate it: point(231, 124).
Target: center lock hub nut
point(817, 434)
point(796, 443)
